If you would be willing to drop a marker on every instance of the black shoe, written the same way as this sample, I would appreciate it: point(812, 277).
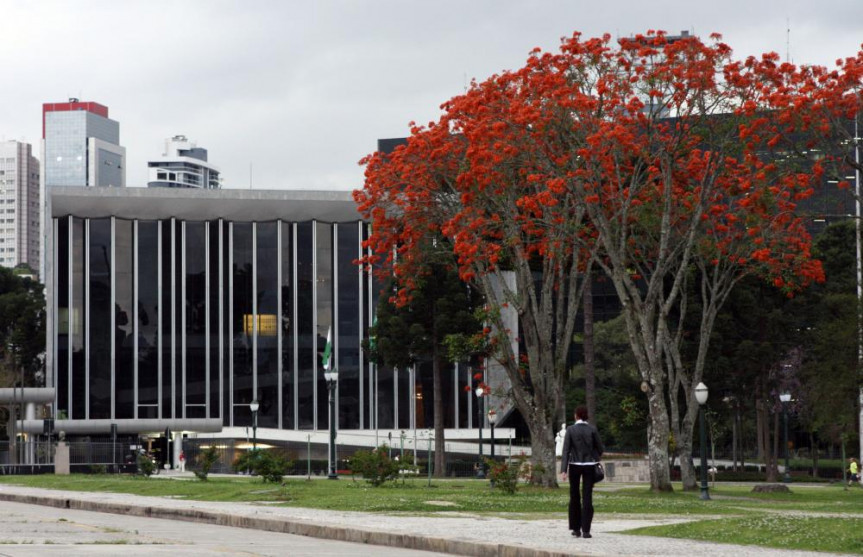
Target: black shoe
point(587, 535)
point(576, 533)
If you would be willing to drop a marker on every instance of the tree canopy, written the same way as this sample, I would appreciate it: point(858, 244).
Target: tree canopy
point(22, 328)
point(647, 157)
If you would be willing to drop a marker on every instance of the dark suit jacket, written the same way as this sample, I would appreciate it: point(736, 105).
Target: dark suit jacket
point(581, 444)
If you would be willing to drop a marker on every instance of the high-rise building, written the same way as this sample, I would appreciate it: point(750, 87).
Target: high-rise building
point(81, 146)
point(19, 205)
point(183, 165)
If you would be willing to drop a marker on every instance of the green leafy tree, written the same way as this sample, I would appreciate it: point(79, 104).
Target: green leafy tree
point(828, 377)
point(22, 329)
point(442, 305)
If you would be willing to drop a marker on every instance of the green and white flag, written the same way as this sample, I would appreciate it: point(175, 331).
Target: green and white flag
point(328, 350)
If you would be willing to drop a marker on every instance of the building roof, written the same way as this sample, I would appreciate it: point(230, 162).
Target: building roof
point(198, 204)
point(73, 105)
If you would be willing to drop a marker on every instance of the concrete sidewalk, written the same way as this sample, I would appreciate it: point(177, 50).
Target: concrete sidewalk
point(454, 533)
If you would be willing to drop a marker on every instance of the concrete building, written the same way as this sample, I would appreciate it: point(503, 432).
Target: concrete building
point(176, 308)
point(183, 165)
point(19, 205)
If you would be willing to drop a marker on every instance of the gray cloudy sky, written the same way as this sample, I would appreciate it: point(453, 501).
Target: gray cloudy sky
point(302, 90)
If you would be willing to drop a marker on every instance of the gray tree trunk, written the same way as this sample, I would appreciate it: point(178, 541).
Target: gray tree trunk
point(589, 367)
point(439, 440)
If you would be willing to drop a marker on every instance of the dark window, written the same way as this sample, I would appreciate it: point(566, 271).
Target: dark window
point(242, 322)
point(195, 316)
point(349, 326)
point(64, 314)
point(167, 319)
point(215, 353)
point(124, 340)
point(77, 322)
point(305, 309)
point(287, 330)
point(148, 319)
point(226, 324)
point(179, 389)
point(99, 257)
point(267, 277)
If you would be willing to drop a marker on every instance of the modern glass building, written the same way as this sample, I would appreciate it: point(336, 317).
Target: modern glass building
point(177, 304)
point(81, 145)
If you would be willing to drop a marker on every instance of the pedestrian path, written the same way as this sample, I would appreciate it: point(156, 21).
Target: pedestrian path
point(455, 533)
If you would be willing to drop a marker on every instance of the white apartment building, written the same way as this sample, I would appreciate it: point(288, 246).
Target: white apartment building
point(19, 205)
point(183, 165)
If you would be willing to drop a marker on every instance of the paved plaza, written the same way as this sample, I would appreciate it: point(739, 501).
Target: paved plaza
point(453, 533)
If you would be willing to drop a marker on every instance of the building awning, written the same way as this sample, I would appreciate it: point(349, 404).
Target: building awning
point(126, 426)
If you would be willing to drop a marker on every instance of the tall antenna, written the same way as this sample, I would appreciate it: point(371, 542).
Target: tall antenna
point(788, 40)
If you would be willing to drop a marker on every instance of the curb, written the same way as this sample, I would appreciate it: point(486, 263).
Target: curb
point(296, 527)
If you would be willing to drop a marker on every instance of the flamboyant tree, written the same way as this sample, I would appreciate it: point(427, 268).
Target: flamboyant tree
point(666, 162)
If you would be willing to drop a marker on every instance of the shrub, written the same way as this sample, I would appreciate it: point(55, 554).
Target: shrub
point(207, 458)
point(146, 466)
point(99, 469)
point(375, 466)
point(504, 475)
point(272, 466)
point(266, 464)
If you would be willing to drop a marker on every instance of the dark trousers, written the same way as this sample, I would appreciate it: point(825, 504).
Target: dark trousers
point(581, 502)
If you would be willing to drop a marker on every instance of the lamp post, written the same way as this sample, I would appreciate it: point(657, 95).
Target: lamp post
point(332, 378)
point(701, 397)
point(480, 473)
point(253, 406)
point(492, 419)
point(785, 398)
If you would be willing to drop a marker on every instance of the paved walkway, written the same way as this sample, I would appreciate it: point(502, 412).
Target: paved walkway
point(455, 533)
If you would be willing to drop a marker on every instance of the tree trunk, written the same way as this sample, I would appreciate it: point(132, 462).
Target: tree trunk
point(589, 368)
point(657, 442)
point(439, 440)
point(813, 452)
point(545, 464)
point(734, 439)
point(764, 436)
point(688, 474)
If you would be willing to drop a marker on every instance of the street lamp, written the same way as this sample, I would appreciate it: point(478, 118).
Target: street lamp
point(785, 398)
point(253, 406)
point(492, 419)
point(332, 378)
point(701, 397)
point(480, 473)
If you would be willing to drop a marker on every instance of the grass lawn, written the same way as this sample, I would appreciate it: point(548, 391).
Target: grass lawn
point(770, 520)
point(782, 531)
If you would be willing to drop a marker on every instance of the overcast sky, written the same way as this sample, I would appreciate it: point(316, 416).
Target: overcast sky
point(300, 91)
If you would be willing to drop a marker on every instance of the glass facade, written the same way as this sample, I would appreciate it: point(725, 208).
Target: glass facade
point(67, 150)
point(195, 319)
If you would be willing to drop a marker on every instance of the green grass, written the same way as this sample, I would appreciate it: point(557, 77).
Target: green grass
point(763, 519)
point(838, 535)
point(459, 495)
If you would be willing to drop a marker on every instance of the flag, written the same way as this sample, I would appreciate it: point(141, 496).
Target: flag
point(328, 350)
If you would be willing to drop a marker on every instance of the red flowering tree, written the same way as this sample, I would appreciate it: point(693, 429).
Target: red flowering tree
point(666, 162)
point(476, 177)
